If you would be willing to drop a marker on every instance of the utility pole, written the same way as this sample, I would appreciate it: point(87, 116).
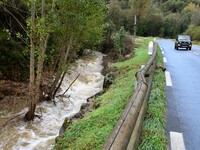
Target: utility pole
point(135, 27)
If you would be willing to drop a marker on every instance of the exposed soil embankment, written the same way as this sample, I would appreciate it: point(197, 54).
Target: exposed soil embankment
point(14, 98)
point(12, 93)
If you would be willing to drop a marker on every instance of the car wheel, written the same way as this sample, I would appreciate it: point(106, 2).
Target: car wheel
point(190, 48)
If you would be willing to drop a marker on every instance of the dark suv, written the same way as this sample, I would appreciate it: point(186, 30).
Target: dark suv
point(183, 41)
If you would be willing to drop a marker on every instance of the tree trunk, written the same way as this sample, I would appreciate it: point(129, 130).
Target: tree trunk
point(36, 82)
point(30, 114)
point(44, 37)
point(71, 84)
point(58, 72)
point(58, 85)
point(62, 69)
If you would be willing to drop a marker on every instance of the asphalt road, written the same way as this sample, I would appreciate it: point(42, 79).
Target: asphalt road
point(183, 96)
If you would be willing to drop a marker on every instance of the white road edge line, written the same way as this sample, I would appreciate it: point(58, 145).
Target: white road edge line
point(164, 60)
point(168, 78)
point(163, 52)
point(196, 53)
point(177, 142)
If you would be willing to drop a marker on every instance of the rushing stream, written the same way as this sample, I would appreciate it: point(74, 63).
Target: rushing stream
point(40, 133)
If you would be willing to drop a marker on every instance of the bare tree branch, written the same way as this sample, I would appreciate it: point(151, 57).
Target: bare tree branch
point(16, 19)
point(70, 85)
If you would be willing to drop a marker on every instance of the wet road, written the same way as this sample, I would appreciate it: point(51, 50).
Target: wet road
point(183, 96)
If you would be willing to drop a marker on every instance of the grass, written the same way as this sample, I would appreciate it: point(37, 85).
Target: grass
point(153, 133)
point(196, 42)
point(92, 131)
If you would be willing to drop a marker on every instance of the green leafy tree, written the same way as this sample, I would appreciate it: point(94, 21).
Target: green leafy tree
point(75, 24)
point(192, 11)
point(115, 14)
point(194, 32)
point(172, 23)
point(81, 26)
point(139, 8)
point(39, 36)
point(174, 6)
point(119, 38)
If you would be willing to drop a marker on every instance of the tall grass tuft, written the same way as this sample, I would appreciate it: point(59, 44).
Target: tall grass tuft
point(153, 133)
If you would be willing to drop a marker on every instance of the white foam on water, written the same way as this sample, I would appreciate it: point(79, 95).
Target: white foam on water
point(41, 133)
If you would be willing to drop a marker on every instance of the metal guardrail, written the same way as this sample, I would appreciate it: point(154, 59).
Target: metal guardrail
point(126, 133)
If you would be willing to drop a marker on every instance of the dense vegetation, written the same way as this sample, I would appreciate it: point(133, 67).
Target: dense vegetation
point(50, 34)
point(165, 18)
point(86, 26)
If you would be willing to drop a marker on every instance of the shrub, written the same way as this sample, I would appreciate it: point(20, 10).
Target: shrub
point(127, 44)
point(118, 41)
point(13, 64)
point(194, 32)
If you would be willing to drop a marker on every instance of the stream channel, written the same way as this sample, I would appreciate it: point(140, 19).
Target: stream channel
point(41, 133)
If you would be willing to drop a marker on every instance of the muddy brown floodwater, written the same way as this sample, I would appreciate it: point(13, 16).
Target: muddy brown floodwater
point(40, 133)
